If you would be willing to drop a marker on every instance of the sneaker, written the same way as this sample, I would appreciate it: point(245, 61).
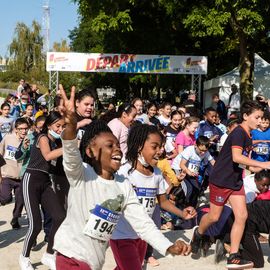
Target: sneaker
point(196, 240)
point(49, 260)
point(15, 224)
point(205, 245)
point(46, 238)
point(220, 251)
point(235, 261)
point(25, 263)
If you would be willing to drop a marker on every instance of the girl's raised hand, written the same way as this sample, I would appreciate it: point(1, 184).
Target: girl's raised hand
point(67, 106)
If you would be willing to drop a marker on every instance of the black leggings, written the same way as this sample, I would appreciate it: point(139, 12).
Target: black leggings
point(37, 191)
point(252, 249)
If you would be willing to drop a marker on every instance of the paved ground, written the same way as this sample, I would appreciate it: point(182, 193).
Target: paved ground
point(11, 243)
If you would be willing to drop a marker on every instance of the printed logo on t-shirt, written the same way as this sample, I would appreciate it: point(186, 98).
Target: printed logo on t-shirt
point(147, 197)
point(10, 152)
point(208, 134)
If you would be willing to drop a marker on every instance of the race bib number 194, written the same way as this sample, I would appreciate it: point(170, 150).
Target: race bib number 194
point(101, 223)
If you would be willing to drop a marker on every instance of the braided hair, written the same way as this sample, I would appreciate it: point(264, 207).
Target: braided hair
point(136, 140)
point(92, 130)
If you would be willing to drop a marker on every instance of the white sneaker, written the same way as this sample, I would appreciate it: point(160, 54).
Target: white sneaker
point(25, 263)
point(49, 260)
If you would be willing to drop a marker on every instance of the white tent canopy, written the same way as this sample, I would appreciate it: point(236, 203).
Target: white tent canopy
point(222, 84)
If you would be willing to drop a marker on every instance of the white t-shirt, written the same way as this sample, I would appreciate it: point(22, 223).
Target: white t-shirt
point(164, 121)
point(94, 206)
point(194, 160)
point(143, 118)
point(250, 188)
point(222, 141)
point(176, 162)
point(146, 188)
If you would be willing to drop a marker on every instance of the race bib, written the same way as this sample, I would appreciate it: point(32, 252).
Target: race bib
point(262, 149)
point(208, 134)
point(147, 197)
point(10, 152)
point(101, 223)
point(194, 166)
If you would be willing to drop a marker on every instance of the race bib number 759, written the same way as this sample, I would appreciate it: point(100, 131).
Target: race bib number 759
point(101, 223)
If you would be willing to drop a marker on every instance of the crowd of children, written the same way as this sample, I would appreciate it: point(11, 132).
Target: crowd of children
point(99, 181)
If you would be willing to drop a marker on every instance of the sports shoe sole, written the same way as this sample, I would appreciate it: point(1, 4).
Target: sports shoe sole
point(239, 267)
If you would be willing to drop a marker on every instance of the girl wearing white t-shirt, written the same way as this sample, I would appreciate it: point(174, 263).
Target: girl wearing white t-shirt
point(97, 198)
point(144, 149)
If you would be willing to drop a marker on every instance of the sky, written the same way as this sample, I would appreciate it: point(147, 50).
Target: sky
point(63, 17)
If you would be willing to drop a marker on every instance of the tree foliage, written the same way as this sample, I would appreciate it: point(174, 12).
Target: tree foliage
point(239, 25)
point(228, 32)
point(26, 52)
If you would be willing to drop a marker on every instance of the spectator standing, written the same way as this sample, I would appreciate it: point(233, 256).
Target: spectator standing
point(220, 107)
point(20, 87)
point(234, 100)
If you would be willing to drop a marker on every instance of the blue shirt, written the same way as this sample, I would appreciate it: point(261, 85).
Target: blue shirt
point(209, 130)
point(261, 151)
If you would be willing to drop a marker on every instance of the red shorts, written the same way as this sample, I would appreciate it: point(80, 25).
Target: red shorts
point(219, 196)
point(65, 263)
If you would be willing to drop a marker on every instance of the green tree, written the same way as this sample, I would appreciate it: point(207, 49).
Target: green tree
point(138, 27)
point(240, 24)
point(26, 51)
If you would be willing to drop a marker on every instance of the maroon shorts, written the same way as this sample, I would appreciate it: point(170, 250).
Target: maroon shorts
point(219, 196)
point(65, 263)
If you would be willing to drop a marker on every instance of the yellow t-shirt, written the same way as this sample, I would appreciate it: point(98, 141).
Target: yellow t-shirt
point(166, 169)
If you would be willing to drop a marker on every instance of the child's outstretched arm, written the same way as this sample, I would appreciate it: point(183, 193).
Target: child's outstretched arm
point(67, 109)
point(187, 213)
point(72, 161)
point(146, 229)
point(239, 158)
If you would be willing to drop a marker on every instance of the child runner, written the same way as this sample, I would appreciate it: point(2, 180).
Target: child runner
point(165, 116)
point(152, 113)
point(6, 121)
point(141, 117)
point(186, 137)
point(85, 105)
point(11, 171)
point(209, 130)
point(144, 149)
point(261, 140)
point(29, 109)
point(37, 189)
point(120, 125)
point(193, 159)
point(256, 184)
point(172, 131)
point(226, 183)
point(97, 197)
point(231, 125)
